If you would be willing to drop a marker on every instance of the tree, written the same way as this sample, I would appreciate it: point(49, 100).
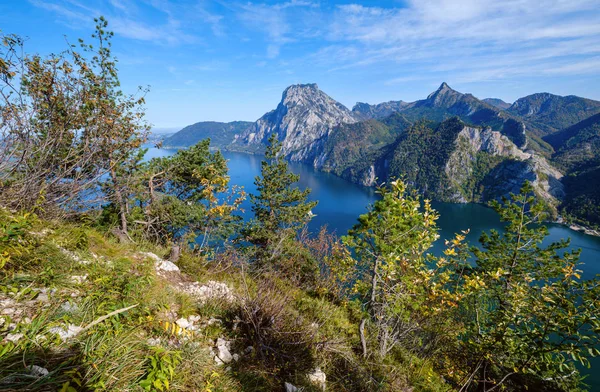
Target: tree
point(65, 126)
point(390, 241)
point(185, 196)
point(119, 127)
point(527, 315)
point(280, 209)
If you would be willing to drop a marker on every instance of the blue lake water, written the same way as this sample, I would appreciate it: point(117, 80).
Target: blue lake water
point(341, 202)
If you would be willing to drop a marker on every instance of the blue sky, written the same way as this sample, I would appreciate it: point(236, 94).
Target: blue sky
point(230, 60)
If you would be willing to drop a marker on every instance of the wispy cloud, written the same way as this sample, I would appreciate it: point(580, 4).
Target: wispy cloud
point(125, 19)
point(282, 23)
point(464, 36)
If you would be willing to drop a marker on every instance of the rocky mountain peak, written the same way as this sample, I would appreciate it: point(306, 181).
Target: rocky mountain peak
point(304, 116)
point(444, 96)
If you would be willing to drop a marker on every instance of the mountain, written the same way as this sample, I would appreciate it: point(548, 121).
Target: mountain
point(220, 134)
point(364, 111)
point(450, 146)
point(446, 102)
point(449, 161)
point(551, 113)
point(497, 102)
point(351, 149)
point(304, 116)
point(577, 147)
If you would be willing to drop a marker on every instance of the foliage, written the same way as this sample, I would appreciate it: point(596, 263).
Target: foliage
point(527, 314)
point(390, 241)
point(161, 369)
point(65, 124)
point(279, 208)
point(185, 196)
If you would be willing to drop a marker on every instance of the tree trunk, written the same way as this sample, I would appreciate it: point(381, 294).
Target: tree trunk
point(121, 203)
point(374, 287)
point(363, 340)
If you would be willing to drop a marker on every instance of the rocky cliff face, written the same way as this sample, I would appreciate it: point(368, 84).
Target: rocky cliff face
point(304, 116)
point(488, 160)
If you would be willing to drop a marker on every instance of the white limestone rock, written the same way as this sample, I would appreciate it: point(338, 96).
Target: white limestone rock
point(318, 378)
point(66, 333)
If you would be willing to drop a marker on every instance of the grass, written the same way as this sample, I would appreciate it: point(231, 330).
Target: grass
point(40, 278)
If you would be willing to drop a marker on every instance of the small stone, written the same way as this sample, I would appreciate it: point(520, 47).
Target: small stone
point(14, 337)
point(223, 350)
point(318, 378)
point(290, 388)
point(236, 357)
point(153, 341)
point(79, 279)
point(69, 307)
point(213, 321)
point(69, 332)
point(38, 371)
point(194, 318)
point(183, 323)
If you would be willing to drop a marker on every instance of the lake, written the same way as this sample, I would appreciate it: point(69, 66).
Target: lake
point(341, 202)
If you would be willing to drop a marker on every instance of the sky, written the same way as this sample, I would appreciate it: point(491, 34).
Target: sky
point(230, 60)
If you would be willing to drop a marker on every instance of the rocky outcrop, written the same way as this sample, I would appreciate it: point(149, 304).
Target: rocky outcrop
point(304, 116)
point(507, 166)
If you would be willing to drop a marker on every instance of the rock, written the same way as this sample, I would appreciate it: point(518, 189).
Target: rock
point(290, 388)
point(14, 337)
point(73, 256)
point(79, 279)
point(208, 291)
point(223, 353)
point(153, 341)
point(160, 264)
point(213, 321)
point(318, 378)
point(236, 357)
point(38, 371)
point(303, 117)
point(183, 323)
point(194, 318)
point(68, 333)
point(218, 361)
point(69, 307)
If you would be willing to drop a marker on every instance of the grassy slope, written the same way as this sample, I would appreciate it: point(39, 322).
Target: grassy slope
point(116, 354)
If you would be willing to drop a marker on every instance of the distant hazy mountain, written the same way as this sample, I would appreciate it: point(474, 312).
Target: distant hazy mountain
point(364, 111)
point(551, 113)
point(303, 117)
point(220, 134)
point(497, 102)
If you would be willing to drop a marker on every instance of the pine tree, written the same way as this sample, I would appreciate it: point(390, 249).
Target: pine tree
point(280, 208)
point(527, 314)
point(390, 242)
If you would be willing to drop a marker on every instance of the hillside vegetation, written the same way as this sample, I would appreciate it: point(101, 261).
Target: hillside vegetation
point(118, 274)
